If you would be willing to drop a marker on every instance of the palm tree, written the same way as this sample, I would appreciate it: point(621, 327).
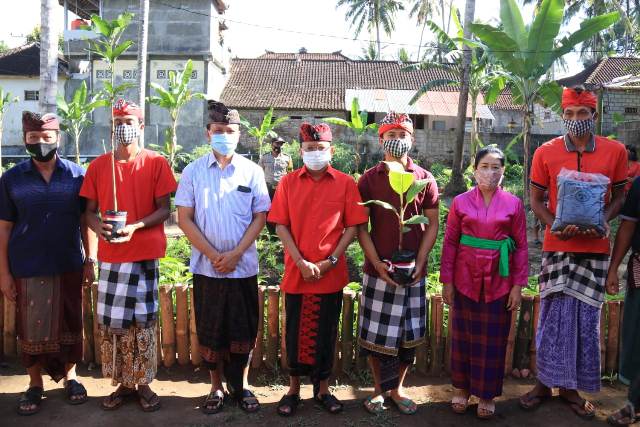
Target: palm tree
point(143, 37)
point(526, 53)
point(6, 99)
point(422, 10)
point(374, 13)
point(48, 58)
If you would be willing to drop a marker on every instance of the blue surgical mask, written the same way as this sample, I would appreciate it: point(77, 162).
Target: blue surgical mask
point(223, 143)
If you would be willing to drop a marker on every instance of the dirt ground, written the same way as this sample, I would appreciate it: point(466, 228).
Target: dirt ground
point(181, 390)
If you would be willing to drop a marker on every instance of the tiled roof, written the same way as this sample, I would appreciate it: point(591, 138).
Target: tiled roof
point(25, 61)
point(603, 72)
point(505, 102)
point(334, 56)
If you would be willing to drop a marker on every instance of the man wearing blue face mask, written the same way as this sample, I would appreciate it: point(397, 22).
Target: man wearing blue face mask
point(222, 205)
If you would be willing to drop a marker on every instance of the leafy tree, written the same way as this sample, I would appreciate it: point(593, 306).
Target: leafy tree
point(265, 129)
point(6, 99)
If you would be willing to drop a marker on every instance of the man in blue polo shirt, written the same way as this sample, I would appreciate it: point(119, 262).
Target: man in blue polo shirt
point(42, 262)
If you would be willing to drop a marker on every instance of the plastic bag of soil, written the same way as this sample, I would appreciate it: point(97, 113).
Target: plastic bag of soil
point(581, 200)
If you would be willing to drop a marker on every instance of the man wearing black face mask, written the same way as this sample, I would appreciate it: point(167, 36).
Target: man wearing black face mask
point(42, 264)
point(276, 165)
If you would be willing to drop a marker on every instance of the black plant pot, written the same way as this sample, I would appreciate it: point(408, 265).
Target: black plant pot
point(404, 265)
point(117, 219)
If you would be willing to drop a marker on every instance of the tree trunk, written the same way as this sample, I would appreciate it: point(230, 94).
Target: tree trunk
point(174, 145)
point(526, 145)
point(418, 59)
point(48, 57)
point(456, 184)
point(143, 36)
point(474, 127)
point(378, 41)
point(76, 139)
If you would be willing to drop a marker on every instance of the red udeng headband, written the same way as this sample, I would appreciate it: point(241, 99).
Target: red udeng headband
point(573, 97)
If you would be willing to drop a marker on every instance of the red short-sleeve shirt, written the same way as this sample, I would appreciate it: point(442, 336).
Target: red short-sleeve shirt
point(602, 155)
point(138, 183)
point(316, 212)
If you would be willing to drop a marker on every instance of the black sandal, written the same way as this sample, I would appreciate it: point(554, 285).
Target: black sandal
point(580, 407)
point(33, 396)
point(530, 401)
point(290, 401)
point(145, 402)
point(213, 402)
point(330, 403)
point(75, 389)
point(118, 398)
point(623, 417)
point(246, 398)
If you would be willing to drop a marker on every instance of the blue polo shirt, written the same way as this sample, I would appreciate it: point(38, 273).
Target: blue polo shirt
point(45, 239)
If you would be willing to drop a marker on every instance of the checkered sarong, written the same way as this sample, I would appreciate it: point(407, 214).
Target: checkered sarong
point(126, 292)
point(391, 317)
point(581, 276)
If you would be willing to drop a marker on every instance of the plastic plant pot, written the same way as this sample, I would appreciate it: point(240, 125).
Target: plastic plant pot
point(118, 220)
point(404, 265)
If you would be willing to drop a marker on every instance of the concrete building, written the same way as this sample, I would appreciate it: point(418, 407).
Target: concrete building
point(20, 75)
point(178, 31)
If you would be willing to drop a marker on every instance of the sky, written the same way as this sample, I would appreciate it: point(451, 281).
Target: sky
point(286, 26)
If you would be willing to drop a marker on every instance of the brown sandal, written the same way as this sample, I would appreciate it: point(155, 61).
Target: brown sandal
point(580, 407)
point(623, 417)
point(117, 398)
point(150, 402)
point(530, 402)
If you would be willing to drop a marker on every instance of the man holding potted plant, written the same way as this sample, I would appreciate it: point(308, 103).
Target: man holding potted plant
point(393, 302)
point(41, 259)
point(316, 211)
point(139, 182)
point(222, 205)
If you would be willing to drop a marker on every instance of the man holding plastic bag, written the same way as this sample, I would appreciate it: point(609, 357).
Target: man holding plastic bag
point(585, 176)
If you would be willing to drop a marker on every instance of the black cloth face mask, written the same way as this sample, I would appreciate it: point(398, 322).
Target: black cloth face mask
point(42, 152)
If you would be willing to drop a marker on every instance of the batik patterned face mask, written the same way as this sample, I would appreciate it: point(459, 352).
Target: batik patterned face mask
point(579, 127)
point(397, 147)
point(125, 134)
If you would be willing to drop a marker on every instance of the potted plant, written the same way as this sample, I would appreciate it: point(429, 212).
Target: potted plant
point(402, 262)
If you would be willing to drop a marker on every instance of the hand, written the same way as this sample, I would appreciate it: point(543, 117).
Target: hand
point(105, 230)
point(227, 261)
point(448, 293)
point(310, 272)
point(324, 266)
point(8, 287)
point(419, 271)
point(125, 234)
point(613, 285)
point(569, 232)
point(383, 273)
point(594, 234)
point(88, 273)
point(515, 298)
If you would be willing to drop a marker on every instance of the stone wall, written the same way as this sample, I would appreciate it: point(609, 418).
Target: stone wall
point(618, 101)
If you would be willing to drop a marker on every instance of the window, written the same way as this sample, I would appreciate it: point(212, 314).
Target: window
point(418, 121)
point(439, 125)
point(31, 95)
point(295, 117)
point(371, 118)
point(547, 115)
point(631, 110)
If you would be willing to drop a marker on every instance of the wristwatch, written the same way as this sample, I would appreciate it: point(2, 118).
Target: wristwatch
point(333, 260)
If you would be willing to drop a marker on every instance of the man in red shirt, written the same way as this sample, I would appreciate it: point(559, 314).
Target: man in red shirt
point(128, 281)
point(393, 317)
point(316, 211)
point(574, 261)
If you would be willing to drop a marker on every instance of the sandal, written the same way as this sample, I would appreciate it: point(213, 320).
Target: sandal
point(406, 406)
point(623, 417)
point(77, 390)
point(374, 405)
point(117, 398)
point(530, 402)
point(213, 402)
point(288, 401)
point(580, 407)
point(330, 403)
point(245, 399)
point(149, 402)
point(33, 396)
point(488, 408)
point(459, 404)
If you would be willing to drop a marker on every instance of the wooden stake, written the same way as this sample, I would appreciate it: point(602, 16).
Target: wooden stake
point(508, 362)
point(422, 351)
point(347, 330)
point(196, 359)
point(256, 358)
point(522, 359)
point(182, 325)
point(436, 334)
point(87, 326)
point(283, 333)
point(168, 327)
point(159, 343)
point(613, 336)
point(447, 347)
point(603, 346)
point(272, 325)
point(97, 343)
point(532, 348)
point(361, 362)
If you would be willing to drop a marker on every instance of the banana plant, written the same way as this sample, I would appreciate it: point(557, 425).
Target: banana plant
point(75, 114)
point(357, 124)
point(177, 95)
point(527, 52)
point(266, 129)
point(6, 99)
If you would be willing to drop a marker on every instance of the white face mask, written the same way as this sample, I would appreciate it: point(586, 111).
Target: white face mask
point(316, 160)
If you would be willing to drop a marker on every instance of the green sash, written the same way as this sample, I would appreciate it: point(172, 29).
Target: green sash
point(504, 246)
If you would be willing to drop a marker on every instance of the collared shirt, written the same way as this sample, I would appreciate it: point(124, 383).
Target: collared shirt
point(474, 271)
point(374, 185)
point(316, 213)
point(224, 201)
point(601, 155)
point(45, 238)
point(275, 167)
point(631, 212)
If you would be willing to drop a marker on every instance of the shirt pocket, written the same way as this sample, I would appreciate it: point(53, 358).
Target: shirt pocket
point(240, 200)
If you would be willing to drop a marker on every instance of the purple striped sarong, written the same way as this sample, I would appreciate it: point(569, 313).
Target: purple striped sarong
point(568, 344)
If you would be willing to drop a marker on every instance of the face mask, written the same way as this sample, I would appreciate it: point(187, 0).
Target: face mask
point(42, 152)
point(397, 147)
point(223, 143)
point(579, 127)
point(316, 160)
point(125, 134)
point(277, 150)
point(488, 179)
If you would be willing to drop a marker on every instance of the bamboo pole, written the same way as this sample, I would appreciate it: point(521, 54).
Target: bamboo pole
point(532, 348)
point(522, 356)
point(613, 336)
point(196, 359)
point(158, 343)
point(283, 332)
point(10, 342)
point(347, 330)
point(508, 362)
point(256, 357)
point(182, 325)
point(603, 347)
point(168, 328)
point(436, 334)
point(422, 351)
point(97, 343)
point(272, 326)
point(87, 326)
point(447, 348)
point(361, 362)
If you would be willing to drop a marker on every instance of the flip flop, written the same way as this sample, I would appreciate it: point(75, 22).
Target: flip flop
point(75, 389)
point(489, 410)
point(33, 396)
point(290, 401)
point(580, 408)
point(623, 417)
point(530, 402)
point(406, 406)
point(213, 402)
point(375, 405)
point(459, 404)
